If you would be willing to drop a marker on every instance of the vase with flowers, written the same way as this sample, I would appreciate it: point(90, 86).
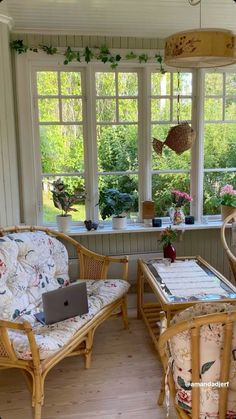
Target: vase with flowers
point(227, 200)
point(64, 201)
point(168, 236)
point(179, 200)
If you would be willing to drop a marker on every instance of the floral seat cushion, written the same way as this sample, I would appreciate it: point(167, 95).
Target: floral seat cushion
point(211, 342)
point(52, 337)
point(30, 263)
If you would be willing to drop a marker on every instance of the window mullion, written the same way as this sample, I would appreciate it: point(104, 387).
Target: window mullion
point(197, 157)
point(90, 147)
point(144, 143)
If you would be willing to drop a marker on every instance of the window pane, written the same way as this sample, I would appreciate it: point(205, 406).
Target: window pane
point(47, 83)
point(160, 84)
point(117, 148)
point(62, 148)
point(70, 83)
point(162, 185)
point(220, 146)
point(213, 109)
point(185, 109)
point(123, 183)
point(160, 109)
point(48, 110)
point(214, 84)
point(49, 210)
point(230, 84)
point(106, 110)
point(230, 109)
point(128, 110)
point(71, 110)
point(213, 181)
point(105, 84)
point(182, 84)
point(128, 84)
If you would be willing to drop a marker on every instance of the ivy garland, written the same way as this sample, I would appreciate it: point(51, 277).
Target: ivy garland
point(102, 54)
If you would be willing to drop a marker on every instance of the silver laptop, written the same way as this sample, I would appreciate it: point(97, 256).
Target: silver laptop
point(63, 303)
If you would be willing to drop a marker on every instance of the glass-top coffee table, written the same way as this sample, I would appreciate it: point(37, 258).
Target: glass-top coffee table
point(178, 285)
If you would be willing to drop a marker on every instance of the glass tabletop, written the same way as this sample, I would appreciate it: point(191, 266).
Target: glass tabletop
point(189, 280)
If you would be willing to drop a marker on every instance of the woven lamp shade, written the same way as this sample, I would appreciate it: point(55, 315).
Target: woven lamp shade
point(201, 48)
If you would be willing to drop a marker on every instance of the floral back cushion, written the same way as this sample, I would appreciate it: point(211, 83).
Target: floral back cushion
point(211, 345)
point(30, 263)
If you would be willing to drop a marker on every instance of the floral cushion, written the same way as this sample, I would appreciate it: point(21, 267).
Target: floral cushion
point(52, 337)
point(211, 341)
point(30, 264)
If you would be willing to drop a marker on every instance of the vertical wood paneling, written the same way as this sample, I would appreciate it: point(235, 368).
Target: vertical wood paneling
point(9, 188)
point(91, 41)
point(205, 243)
point(70, 40)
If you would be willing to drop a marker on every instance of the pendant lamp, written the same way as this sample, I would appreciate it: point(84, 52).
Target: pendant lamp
point(200, 48)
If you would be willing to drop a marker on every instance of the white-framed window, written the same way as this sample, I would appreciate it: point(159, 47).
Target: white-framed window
point(108, 118)
point(171, 102)
point(60, 124)
point(118, 130)
point(219, 135)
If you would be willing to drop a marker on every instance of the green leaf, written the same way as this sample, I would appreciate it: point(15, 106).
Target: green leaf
point(19, 46)
point(184, 406)
point(131, 56)
point(49, 49)
point(143, 58)
point(182, 384)
point(206, 366)
point(88, 54)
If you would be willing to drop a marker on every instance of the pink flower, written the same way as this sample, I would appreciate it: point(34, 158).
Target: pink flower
point(184, 396)
point(227, 189)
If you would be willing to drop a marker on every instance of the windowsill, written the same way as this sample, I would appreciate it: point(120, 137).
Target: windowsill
point(141, 228)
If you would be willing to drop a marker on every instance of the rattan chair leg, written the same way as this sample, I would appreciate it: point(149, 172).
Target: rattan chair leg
point(161, 396)
point(89, 346)
point(38, 395)
point(124, 312)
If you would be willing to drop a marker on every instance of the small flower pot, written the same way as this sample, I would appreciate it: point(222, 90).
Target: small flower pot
point(119, 223)
point(64, 223)
point(227, 210)
point(169, 252)
point(177, 215)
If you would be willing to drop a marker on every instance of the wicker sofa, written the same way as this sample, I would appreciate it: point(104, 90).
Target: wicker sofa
point(33, 261)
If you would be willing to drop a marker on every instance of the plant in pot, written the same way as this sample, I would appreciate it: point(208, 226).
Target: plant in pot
point(227, 200)
point(168, 236)
point(179, 200)
point(116, 204)
point(64, 201)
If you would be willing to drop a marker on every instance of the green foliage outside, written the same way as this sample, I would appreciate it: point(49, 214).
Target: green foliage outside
point(62, 149)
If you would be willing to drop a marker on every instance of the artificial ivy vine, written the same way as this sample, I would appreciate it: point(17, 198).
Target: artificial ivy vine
point(102, 54)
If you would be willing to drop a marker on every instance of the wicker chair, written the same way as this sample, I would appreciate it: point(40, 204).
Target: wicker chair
point(231, 256)
point(35, 370)
point(193, 340)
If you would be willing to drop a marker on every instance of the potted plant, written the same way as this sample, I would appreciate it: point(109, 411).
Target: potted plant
point(179, 200)
point(227, 200)
point(168, 236)
point(116, 204)
point(64, 201)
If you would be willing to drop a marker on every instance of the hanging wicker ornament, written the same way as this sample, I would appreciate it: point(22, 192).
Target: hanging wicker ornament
point(180, 138)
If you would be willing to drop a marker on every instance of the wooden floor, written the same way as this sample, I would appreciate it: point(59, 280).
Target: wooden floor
point(123, 381)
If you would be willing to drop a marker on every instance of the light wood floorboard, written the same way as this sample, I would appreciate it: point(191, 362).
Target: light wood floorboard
point(123, 381)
